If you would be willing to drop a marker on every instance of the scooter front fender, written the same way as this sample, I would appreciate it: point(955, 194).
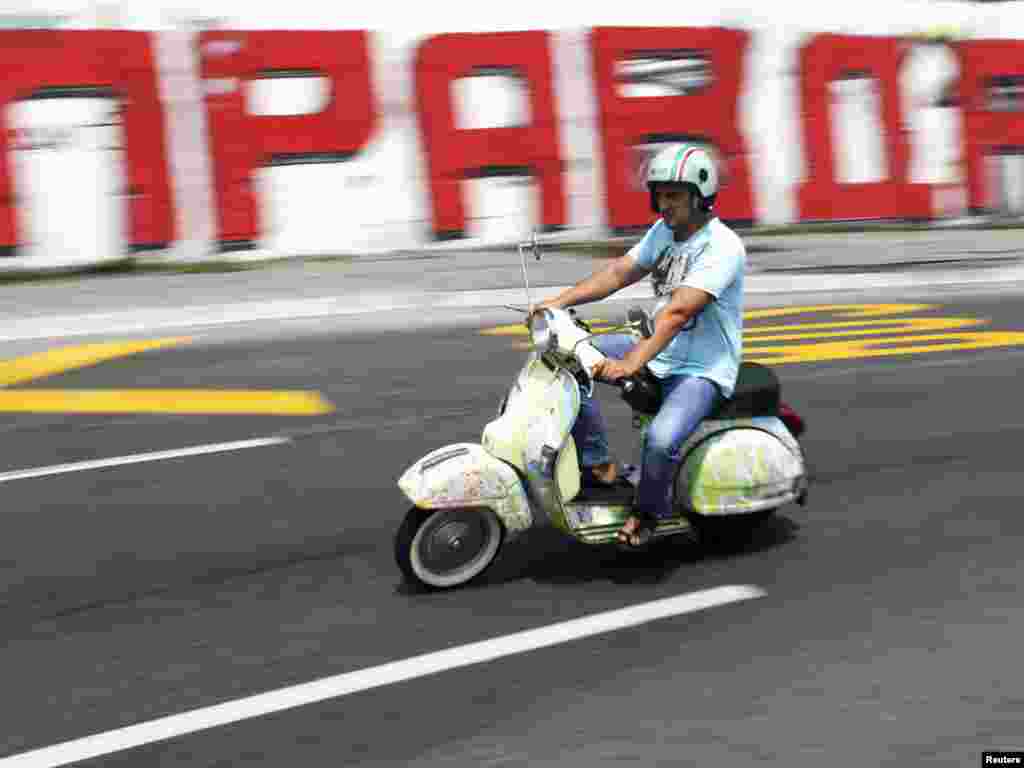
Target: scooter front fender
point(466, 475)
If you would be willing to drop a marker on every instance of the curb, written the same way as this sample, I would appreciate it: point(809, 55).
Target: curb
point(599, 241)
point(597, 246)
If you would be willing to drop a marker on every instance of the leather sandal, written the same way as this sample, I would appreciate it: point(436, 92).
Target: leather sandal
point(636, 536)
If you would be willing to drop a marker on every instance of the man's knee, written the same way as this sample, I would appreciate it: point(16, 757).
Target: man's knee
point(661, 441)
point(666, 437)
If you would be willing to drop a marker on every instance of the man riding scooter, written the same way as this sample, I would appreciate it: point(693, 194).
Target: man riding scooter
point(696, 265)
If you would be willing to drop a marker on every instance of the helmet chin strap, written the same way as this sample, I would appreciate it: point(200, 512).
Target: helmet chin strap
point(700, 205)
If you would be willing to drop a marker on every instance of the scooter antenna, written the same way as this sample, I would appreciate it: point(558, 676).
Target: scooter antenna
point(522, 257)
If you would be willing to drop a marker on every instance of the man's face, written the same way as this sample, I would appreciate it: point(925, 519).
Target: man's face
point(673, 205)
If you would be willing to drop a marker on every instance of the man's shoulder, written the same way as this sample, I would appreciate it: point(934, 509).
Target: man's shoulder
point(727, 238)
point(652, 241)
point(659, 231)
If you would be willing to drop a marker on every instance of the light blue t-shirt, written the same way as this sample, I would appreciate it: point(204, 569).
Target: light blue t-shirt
point(714, 260)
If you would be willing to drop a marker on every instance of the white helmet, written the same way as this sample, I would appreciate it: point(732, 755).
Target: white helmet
point(688, 164)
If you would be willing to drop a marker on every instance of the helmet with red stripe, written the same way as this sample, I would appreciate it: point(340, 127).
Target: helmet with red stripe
point(687, 164)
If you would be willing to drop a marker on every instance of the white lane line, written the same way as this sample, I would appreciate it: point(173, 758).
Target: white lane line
point(138, 458)
point(229, 712)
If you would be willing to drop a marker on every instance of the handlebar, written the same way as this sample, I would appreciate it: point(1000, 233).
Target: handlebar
point(579, 321)
point(642, 391)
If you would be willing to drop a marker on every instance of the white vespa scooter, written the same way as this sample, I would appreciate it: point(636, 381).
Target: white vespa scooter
point(742, 463)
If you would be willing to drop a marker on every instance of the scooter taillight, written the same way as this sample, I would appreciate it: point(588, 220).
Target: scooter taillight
point(791, 419)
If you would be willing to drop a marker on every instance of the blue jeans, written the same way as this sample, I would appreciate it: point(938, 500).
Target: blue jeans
point(688, 400)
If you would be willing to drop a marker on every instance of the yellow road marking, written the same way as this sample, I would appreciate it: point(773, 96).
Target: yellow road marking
point(840, 310)
point(518, 329)
point(505, 330)
point(53, 361)
point(916, 334)
point(754, 336)
point(861, 348)
point(164, 401)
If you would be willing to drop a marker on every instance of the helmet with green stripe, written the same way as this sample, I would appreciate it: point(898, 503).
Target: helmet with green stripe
point(688, 164)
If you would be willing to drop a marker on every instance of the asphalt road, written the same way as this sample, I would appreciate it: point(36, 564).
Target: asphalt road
point(889, 632)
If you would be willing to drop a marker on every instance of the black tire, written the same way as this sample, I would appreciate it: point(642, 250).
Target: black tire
point(427, 545)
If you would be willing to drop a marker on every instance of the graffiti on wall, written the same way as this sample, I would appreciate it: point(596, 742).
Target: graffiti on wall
point(646, 86)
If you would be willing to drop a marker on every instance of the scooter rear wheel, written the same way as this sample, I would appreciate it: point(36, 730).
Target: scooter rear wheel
point(445, 548)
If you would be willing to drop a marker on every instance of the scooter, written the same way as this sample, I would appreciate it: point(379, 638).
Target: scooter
point(741, 464)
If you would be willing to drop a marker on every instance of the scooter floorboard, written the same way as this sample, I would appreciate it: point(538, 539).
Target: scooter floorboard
point(607, 534)
point(596, 516)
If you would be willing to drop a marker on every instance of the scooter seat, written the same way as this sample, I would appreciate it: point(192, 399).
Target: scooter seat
point(757, 393)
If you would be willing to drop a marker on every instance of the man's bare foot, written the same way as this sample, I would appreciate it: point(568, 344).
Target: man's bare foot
point(634, 533)
point(605, 473)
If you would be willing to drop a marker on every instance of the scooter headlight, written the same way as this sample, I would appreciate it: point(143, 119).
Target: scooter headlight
point(540, 332)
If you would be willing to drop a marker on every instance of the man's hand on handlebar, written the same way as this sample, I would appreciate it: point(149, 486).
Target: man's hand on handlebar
point(612, 371)
point(535, 308)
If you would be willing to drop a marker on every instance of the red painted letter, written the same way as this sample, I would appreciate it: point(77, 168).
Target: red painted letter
point(710, 115)
point(825, 59)
point(241, 142)
point(989, 128)
point(40, 63)
point(455, 154)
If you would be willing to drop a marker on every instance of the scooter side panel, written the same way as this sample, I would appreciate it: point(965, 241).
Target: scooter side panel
point(740, 466)
point(465, 475)
point(772, 424)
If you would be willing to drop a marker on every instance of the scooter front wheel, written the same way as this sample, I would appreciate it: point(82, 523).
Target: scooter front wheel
point(444, 548)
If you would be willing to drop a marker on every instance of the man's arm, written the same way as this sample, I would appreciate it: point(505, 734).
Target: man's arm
point(620, 273)
point(709, 276)
point(686, 302)
point(707, 279)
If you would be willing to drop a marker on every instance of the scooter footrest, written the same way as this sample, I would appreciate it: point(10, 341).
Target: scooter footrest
point(606, 534)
